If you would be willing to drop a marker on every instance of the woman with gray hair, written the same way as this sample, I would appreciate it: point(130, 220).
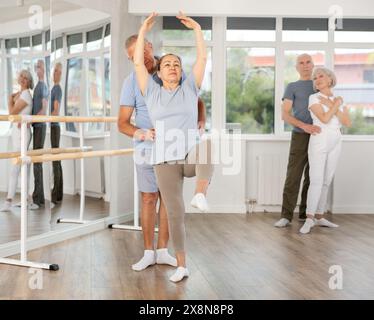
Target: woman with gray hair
point(328, 113)
point(18, 103)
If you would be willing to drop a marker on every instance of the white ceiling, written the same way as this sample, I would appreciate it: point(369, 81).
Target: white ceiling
point(9, 11)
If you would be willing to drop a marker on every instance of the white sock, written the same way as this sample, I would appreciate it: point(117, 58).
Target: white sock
point(179, 274)
point(282, 223)
point(325, 223)
point(308, 225)
point(163, 257)
point(199, 202)
point(147, 260)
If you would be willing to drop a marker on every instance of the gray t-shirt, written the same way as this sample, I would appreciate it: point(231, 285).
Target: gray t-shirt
point(56, 95)
point(298, 92)
point(40, 93)
point(174, 116)
point(132, 97)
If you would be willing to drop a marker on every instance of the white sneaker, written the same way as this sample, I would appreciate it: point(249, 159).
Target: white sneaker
point(325, 223)
point(282, 223)
point(199, 202)
point(6, 207)
point(308, 225)
point(33, 206)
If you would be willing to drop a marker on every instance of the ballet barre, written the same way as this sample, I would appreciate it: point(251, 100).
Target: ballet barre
point(23, 158)
point(11, 155)
point(71, 156)
point(44, 119)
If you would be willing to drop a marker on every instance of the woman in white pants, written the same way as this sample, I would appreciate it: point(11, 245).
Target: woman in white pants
point(324, 149)
point(18, 103)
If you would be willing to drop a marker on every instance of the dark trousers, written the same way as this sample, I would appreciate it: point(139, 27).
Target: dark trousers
point(38, 143)
point(57, 192)
point(297, 165)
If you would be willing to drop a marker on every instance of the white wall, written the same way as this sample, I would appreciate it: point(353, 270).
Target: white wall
point(316, 8)
point(354, 180)
point(352, 187)
point(81, 18)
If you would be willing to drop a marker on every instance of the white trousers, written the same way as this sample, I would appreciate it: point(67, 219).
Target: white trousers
point(15, 169)
point(324, 151)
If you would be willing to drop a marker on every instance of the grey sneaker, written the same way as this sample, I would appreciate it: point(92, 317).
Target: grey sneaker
point(282, 223)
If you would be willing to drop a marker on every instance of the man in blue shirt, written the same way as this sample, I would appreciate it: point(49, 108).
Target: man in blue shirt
point(39, 107)
point(56, 97)
point(143, 134)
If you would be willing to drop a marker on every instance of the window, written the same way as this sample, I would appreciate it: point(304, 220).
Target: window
point(174, 30)
point(88, 77)
point(57, 48)
point(305, 30)
point(11, 46)
point(369, 76)
point(73, 90)
point(188, 56)
point(108, 105)
point(94, 39)
point(48, 71)
point(24, 44)
point(107, 36)
point(47, 38)
point(95, 93)
point(250, 90)
point(353, 69)
point(37, 41)
point(355, 30)
point(250, 29)
point(12, 73)
point(4, 126)
point(75, 43)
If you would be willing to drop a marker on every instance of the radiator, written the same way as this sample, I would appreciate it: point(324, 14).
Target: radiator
point(271, 170)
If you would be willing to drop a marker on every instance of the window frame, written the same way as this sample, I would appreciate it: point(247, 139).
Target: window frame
point(85, 55)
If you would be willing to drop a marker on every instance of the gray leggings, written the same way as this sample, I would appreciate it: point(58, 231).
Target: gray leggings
point(170, 178)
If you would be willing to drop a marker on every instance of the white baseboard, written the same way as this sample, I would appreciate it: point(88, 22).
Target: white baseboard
point(267, 209)
point(70, 191)
point(13, 248)
point(335, 209)
point(353, 209)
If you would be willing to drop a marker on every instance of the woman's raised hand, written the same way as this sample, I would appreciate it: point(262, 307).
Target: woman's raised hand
point(149, 22)
point(187, 21)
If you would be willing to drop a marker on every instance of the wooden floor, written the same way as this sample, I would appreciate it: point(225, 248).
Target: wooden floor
point(45, 219)
point(229, 257)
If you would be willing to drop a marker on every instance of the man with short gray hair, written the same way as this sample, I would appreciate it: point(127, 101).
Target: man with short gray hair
point(56, 97)
point(39, 107)
point(296, 113)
